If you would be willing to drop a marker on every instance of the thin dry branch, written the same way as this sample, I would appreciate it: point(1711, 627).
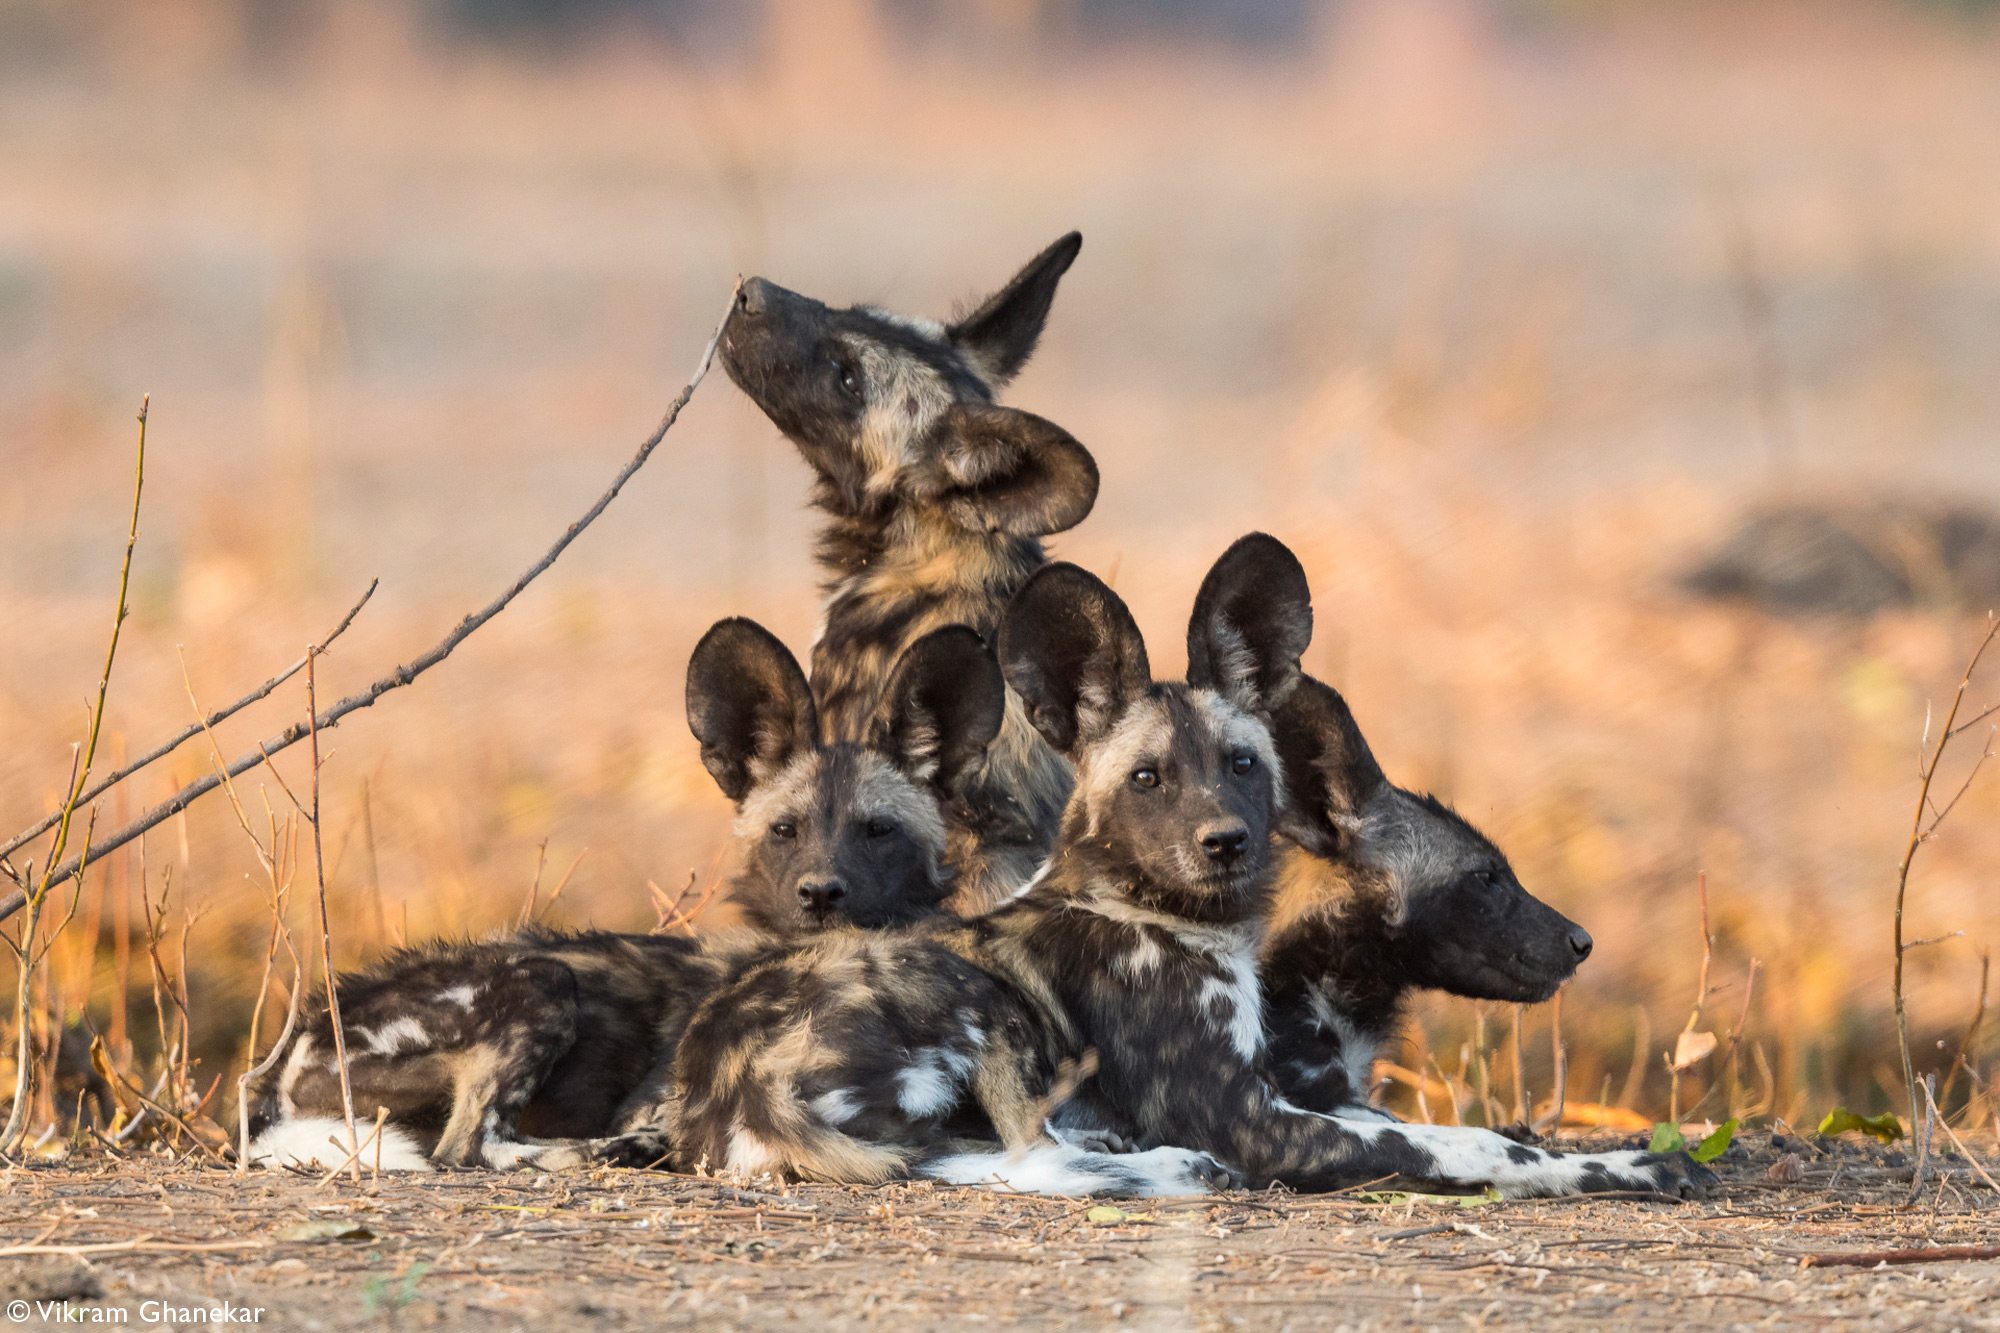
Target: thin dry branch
point(326, 929)
point(33, 898)
point(402, 675)
point(188, 733)
point(1919, 835)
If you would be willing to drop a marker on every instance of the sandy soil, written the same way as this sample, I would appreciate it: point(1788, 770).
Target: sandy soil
point(620, 1249)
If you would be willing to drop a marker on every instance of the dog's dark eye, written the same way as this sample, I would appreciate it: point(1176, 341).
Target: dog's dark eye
point(784, 828)
point(1242, 764)
point(850, 380)
point(880, 828)
point(1145, 777)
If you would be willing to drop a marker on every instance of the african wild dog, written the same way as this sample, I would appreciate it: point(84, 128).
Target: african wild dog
point(498, 1052)
point(937, 498)
point(871, 1058)
point(1384, 893)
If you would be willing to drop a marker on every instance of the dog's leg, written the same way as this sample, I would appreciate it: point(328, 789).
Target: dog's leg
point(527, 1023)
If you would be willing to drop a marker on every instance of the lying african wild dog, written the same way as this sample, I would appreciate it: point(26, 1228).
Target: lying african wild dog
point(867, 1058)
point(1385, 891)
point(937, 499)
point(507, 1051)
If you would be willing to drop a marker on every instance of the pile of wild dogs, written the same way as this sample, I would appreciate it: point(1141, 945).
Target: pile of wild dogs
point(1021, 916)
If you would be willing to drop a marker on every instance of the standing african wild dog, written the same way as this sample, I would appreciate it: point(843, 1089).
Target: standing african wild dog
point(497, 1052)
point(1385, 891)
point(936, 500)
point(870, 1058)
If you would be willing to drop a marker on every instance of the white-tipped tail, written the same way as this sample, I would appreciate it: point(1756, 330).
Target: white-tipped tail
point(1061, 1168)
point(311, 1143)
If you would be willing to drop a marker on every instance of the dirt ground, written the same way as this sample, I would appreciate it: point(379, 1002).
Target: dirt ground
point(615, 1249)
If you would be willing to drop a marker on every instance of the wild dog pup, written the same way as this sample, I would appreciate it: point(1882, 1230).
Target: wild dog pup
point(1386, 891)
point(1136, 952)
point(509, 1051)
point(936, 500)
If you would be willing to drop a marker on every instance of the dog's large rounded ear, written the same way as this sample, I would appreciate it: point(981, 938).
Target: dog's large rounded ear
point(1000, 334)
point(1004, 470)
point(1252, 622)
point(749, 705)
point(943, 707)
point(1072, 651)
point(1330, 773)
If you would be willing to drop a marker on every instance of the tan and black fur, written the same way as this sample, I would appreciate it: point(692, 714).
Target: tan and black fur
point(514, 1050)
point(934, 1052)
point(936, 501)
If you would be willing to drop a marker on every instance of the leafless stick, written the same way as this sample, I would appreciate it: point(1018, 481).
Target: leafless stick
point(402, 675)
point(354, 1153)
point(1871, 1258)
point(1957, 1142)
point(563, 883)
point(1918, 836)
point(1523, 1110)
point(188, 733)
point(325, 928)
point(1561, 1053)
point(535, 884)
point(1674, 1062)
point(17, 1118)
point(1971, 1029)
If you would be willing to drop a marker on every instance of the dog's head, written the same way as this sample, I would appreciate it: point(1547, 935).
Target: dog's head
point(842, 834)
point(893, 412)
point(1455, 914)
point(1177, 784)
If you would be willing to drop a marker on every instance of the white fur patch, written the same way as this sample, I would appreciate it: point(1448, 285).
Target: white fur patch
point(1062, 1168)
point(462, 996)
point(749, 1155)
point(1357, 1052)
point(1236, 1004)
point(402, 1034)
point(304, 1142)
point(924, 1089)
point(837, 1107)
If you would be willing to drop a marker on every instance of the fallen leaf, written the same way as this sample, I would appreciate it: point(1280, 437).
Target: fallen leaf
point(316, 1231)
point(1716, 1143)
point(1692, 1048)
point(1667, 1137)
point(1884, 1127)
point(1787, 1170)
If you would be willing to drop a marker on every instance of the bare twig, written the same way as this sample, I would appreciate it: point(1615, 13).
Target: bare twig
point(33, 899)
point(1918, 836)
point(1956, 1142)
point(1872, 1258)
point(189, 732)
point(1971, 1029)
point(1675, 1062)
point(402, 675)
point(326, 930)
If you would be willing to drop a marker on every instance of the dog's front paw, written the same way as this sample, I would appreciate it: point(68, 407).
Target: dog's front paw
point(638, 1149)
point(1173, 1171)
point(1672, 1173)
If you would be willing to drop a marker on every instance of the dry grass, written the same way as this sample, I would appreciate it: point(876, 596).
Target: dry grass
point(1453, 306)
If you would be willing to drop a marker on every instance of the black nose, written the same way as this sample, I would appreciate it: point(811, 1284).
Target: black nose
point(754, 297)
point(1579, 942)
point(820, 896)
point(1224, 843)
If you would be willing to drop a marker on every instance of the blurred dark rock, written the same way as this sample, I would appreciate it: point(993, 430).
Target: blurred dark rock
point(1857, 559)
point(48, 1280)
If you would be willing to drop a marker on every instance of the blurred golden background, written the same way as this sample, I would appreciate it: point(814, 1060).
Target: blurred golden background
point(1504, 313)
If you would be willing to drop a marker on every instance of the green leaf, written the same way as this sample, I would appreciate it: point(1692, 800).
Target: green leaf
point(1106, 1214)
point(1667, 1137)
point(1884, 1127)
point(1717, 1143)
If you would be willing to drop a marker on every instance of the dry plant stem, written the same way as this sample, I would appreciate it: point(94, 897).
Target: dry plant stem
point(1870, 1258)
point(1971, 1029)
point(1919, 835)
point(1560, 1051)
point(402, 675)
point(1523, 1108)
point(1957, 1142)
point(326, 930)
point(1700, 998)
point(193, 729)
point(33, 899)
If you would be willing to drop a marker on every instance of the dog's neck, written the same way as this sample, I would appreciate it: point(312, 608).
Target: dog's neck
point(1331, 932)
